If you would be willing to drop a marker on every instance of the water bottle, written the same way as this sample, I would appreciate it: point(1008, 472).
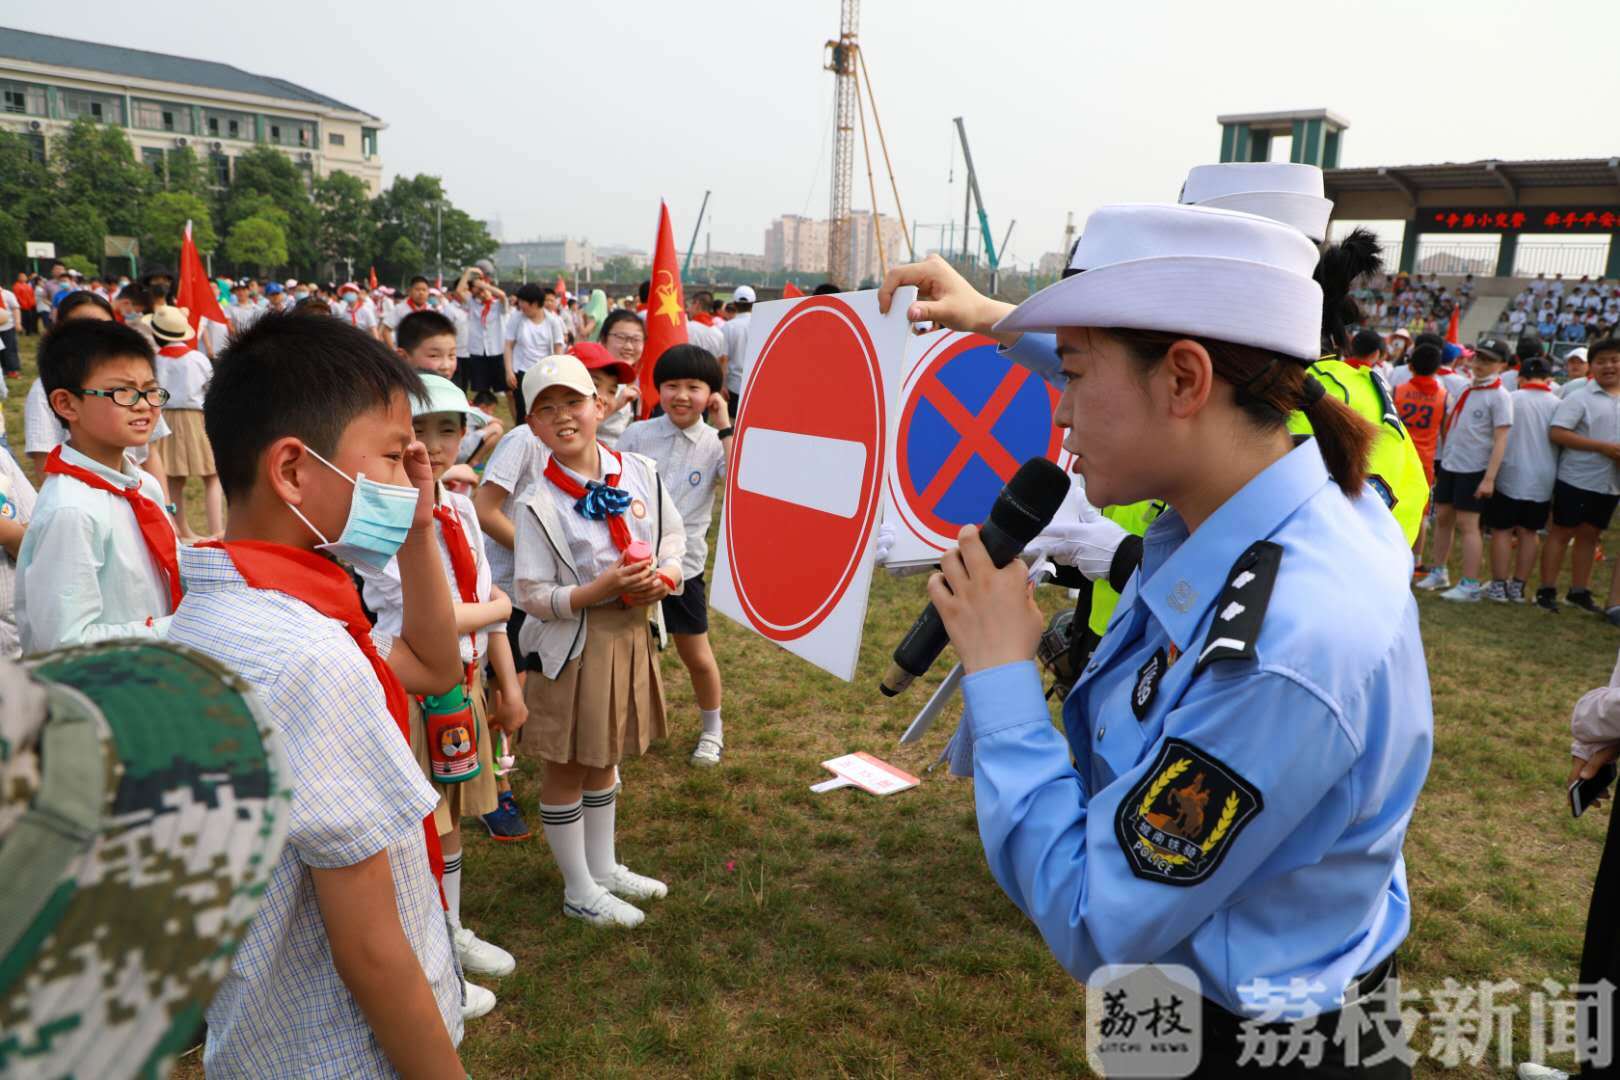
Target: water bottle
point(452, 736)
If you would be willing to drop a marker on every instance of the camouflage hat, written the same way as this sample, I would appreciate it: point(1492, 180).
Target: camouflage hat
point(143, 804)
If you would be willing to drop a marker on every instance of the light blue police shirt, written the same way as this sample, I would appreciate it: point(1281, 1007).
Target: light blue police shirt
point(1038, 353)
point(1313, 752)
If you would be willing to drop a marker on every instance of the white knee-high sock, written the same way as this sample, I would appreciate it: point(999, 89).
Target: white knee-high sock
point(711, 723)
point(452, 887)
point(565, 832)
point(601, 814)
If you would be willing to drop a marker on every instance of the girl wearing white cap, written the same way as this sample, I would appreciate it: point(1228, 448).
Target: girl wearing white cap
point(1250, 738)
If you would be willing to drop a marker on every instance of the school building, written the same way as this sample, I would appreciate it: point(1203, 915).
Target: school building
point(167, 102)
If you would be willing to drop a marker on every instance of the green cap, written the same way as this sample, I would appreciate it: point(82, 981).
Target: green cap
point(445, 396)
point(143, 805)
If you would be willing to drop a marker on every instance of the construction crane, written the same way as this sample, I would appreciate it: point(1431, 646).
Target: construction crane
point(847, 62)
point(975, 199)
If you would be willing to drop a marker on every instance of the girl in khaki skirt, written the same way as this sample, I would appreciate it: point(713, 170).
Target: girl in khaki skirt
point(598, 544)
point(184, 373)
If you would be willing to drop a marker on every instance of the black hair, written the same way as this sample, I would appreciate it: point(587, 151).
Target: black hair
point(420, 278)
point(484, 399)
point(703, 298)
point(1336, 271)
point(614, 318)
point(1602, 345)
point(825, 288)
point(1529, 345)
point(687, 362)
point(418, 326)
point(78, 299)
point(291, 375)
point(71, 353)
point(532, 293)
point(1366, 343)
point(1425, 359)
point(644, 290)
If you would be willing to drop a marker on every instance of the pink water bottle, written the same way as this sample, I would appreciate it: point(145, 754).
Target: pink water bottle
point(638, 551)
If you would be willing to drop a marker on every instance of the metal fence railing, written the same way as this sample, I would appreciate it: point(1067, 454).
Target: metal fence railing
point(1439, 255)
point(1571, 260)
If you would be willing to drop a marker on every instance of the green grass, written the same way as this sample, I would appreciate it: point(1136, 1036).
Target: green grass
point(841, 935)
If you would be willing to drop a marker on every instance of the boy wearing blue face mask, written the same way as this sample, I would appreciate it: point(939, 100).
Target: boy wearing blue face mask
point(349, 970)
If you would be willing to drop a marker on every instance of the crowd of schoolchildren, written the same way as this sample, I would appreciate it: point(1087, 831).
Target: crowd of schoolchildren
point(1522, 468)
point(418, 595)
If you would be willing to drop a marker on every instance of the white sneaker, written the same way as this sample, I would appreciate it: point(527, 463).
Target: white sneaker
point(476, 1001)
point(707, 753)
point(1469, 592)
point(604, 909)
point(627, 883)
point(479, 957)
point(1529, 1070)
point(1437, 578)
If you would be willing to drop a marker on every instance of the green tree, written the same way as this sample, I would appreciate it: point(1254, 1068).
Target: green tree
point(257, 242)
point(347, 229)
point(187, 173)
point(165, 220)
point(266, 179)
point(410, 210)
point(621, 268)
point(27, 188)
point(75, 228)
point(83, 265)
point(12, 238)
point(96, 167)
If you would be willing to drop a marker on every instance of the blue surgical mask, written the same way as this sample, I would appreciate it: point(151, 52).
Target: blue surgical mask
point(379, 520)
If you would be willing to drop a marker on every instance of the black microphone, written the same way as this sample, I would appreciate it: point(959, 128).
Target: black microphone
point(1024, 507)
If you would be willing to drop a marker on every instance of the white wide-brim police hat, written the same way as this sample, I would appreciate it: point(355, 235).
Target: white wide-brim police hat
point(1283, 191)
point(1194, 270)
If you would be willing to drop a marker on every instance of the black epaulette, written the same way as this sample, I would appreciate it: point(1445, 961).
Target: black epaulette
point(1386, 402)
point(1241, 607)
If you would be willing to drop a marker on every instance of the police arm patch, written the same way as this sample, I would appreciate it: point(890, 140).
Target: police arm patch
point(1178, 822)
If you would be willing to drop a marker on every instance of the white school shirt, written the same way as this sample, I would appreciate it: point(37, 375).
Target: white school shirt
point(692, 462)
point(485, 336)
point(185, 377)
point(514, 466)
point(1592, 412)
point(242, 316)
point(361, 316)
point(283, 1010)
point(1530, 462)
point(385, 595)
point(458, 316)
point(736, 335)
point(590, 543)
point(531, 341)
point(20, 498)
point(1469, 432)
point(43, 432)
point(397, 312)
point(1563, 390)
point(707, 338)
point(84, 573)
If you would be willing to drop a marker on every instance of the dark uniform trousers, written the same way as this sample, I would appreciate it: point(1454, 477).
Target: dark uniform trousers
point(1600, 955)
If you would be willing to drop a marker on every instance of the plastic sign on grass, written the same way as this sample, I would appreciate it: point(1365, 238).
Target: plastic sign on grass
point(968, 418)
point(805, 489)
point(872, 775)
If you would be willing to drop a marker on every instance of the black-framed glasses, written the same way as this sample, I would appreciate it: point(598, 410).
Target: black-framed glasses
point(128, 396)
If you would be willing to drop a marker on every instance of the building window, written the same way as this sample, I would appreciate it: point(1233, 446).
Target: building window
point(368, 142)
point(102, 108)
point(162, 116)
point(152, 158)
point(285, 132)
point(221, 124)
point(334, 138)
point(24, 99)
point(222, 170)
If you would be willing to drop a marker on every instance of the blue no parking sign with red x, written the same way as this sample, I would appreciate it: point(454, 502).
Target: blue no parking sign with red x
point(968, 419)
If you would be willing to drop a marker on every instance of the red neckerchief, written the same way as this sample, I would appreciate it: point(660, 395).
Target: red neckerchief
point(412, 304)
point(1461, 401)
point(618, 528)
point(462, 563)
point(323, 585)
point(152, 519)
point(1426, 383)
point(1547, 387)
point(704, 318)
point(174, 350)
point(1353, 362)
point(484, 317)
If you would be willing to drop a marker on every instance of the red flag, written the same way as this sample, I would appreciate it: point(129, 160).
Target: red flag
point(1451, 326)
point(791, 290)
point(666, 309)
point(373, 279)
point(194, 292)
point(562, 290)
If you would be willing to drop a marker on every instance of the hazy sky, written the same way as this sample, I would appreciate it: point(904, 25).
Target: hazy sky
point(575, 118)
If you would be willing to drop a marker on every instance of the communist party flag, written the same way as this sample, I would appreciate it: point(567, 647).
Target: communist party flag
point(666, 310)
point(791, 290)
point(194, 293)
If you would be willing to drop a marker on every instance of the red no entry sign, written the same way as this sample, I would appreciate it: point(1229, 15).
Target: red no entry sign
point(797, 525)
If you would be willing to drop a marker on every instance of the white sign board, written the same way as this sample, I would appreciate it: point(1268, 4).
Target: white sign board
point(40, 249)
point(805, 491)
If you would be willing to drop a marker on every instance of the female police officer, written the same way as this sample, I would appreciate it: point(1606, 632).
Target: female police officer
point(1250, 738)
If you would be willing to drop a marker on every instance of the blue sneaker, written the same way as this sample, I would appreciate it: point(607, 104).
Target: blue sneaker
point(505, 823)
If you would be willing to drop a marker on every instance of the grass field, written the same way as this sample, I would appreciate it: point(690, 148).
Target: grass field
point(840, 935)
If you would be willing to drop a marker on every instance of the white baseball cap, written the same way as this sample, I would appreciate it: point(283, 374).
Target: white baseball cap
point(1282, 191)
point(444, 396)
point(743, 294)
point(558, 370)
point(1210, 273)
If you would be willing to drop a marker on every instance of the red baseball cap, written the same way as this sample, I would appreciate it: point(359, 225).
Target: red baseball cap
point(595, 357)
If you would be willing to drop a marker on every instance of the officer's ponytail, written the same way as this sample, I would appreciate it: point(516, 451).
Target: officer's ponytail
point(1268, 387)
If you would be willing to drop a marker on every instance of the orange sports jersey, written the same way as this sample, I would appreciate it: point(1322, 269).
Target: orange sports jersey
point(1422, 404)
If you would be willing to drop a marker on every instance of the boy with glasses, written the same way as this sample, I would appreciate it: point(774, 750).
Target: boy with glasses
point(99, 560)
